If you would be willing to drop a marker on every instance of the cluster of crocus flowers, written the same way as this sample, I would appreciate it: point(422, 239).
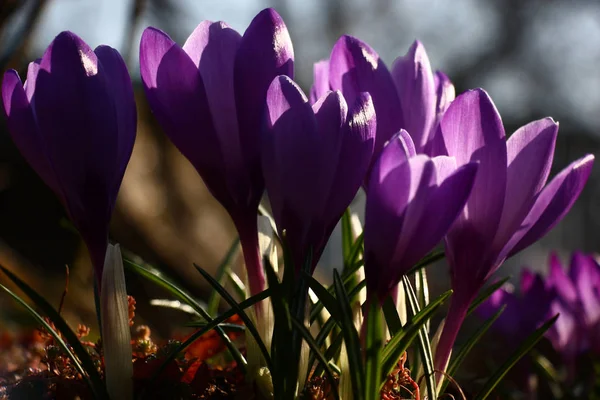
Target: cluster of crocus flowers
point(510, 206)
point(433, 166)
point(575, 296)
point(209, 96)
point(74, 121)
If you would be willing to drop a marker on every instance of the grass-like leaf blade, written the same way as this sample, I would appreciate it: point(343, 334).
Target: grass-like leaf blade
point(373, 349)
point(350, 336)
point(240, 311)
point(81, 358)
point(213, 300)
point(315, 349)
point(392, 319)
point(399, 343)
point(523, 349)
point(163, 281)
point(207, 327)
point(434, 256)
point(423, 344)
point(485, 294)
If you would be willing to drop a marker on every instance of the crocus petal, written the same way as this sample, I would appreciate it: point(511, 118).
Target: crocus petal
point(176, 94)
point(32, 70)
point(117, 77)
point(290, 141)
point(440, 209)
point(401, 148)
point(320, 80)
point(388, 197)
point(472, 132)
point(354, 67)
point(562, 333)
point(559, 281)
point(354, 157)
point(445, 93)
point(265, 52)
point(551, 205)
point(23, 129)
point(213, 48)
point(530, 151)
point(72, 98)
point(584, 274)
point(415, 84)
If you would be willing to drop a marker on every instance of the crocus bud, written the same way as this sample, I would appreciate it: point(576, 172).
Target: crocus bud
point(116, 337)
point(74, 122)
point(314, 160)
point(209, 97)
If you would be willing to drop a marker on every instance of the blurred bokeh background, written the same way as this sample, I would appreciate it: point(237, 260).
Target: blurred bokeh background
point(536, 58)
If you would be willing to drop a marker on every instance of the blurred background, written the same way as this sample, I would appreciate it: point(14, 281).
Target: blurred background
point(536, 58)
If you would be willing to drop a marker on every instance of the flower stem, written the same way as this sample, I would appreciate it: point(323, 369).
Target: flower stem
point(248, 231)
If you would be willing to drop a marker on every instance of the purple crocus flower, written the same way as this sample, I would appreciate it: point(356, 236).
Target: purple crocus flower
point(424, 95)
point(209, 97)
point(578, 302)
point(510, 206)
point(524, 313)
point(412, 200)
point(74, 121)
point(314, 160)
point(411, 97)
point(354, 67)
point(575, 296)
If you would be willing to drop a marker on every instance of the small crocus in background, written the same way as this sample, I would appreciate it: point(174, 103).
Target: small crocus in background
point(209, 97)
point(510, 206)
point(314, 160)
point(416, 105)
point(574, 295)
point(74, 121)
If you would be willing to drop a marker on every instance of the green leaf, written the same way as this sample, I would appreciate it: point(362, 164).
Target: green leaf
point(331, 323)
point(318, 307)
point(213, 300)
point(315, 349)
point(392, 318)
point(466, 348)
point(347, 239)
point(208, 326)
point(373, 349)
point(247, 321)
point(165, 282)
point(422, 290)
point(80, 356)
point(523, 349)
point(399, 343)
point(281, 330)
point(434, 256)
point(325, 297)
point(350, 335)
point(352, 263)
point(423, 344)
point(331, 353)
point(237, 284)
point(485, 294)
